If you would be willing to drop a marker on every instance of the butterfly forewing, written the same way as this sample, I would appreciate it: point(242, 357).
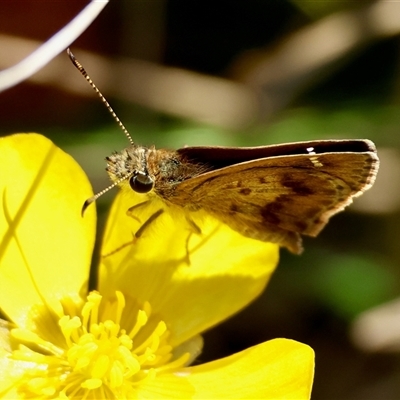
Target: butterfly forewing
point(279, 197)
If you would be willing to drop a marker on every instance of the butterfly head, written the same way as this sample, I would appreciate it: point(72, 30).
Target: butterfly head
point(131, 164)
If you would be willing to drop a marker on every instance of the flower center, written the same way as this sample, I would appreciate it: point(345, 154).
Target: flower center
point(107, 353)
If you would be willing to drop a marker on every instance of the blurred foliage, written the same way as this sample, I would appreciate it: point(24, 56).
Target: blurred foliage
point(317, 9)
point(350, 284)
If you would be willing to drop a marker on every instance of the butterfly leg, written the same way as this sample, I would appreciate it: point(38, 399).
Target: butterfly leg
point(139, 232)
point(194, 229)
point(131, 210)
point(152, 218)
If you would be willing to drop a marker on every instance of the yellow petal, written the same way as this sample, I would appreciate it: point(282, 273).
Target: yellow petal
point(277, 369)
point(192, 290)
point(46, 245)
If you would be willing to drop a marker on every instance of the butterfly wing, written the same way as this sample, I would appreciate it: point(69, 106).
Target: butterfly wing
point(280, 197)
point(217, 157)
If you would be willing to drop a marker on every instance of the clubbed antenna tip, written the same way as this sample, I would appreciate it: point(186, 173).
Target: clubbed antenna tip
point(86, 204)
point(92, 199)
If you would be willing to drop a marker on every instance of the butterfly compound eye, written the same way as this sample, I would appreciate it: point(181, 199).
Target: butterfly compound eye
point(141, 183)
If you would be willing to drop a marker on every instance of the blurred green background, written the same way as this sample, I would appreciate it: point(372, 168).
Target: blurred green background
point(243, 73)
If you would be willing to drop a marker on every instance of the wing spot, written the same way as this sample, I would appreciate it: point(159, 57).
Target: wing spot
point(317, 222)
point(301, 226)
point(299, 188)
point(262, 180)
point(315, 161)
point(245, 191)
point(269, 212)
point(233, 208)
point(366, 174)
point(367, 166)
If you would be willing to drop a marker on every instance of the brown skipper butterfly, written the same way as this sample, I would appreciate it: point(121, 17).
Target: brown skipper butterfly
point(270, 193)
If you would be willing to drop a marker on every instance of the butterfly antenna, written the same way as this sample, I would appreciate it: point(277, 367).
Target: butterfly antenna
point(82, 70)
point(92, 199)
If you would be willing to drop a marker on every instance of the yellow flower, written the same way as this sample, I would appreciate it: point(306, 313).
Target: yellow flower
point(135, 336)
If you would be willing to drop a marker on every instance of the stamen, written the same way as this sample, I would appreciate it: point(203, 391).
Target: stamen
point(99, 359)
